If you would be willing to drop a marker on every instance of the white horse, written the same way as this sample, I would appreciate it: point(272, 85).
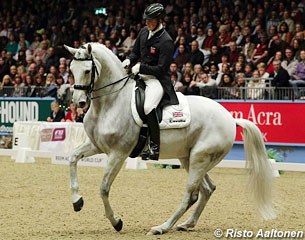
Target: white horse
point(111, 129)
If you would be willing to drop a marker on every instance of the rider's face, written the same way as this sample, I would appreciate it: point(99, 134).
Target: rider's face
point(151, 24)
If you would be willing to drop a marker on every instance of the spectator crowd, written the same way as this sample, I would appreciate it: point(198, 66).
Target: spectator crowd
point(227, 44)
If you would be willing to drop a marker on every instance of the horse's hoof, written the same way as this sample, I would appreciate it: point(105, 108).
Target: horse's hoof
point(78, 205)
point(154, 232)
point(119, 225)
point(185, 227)
point(178, 228)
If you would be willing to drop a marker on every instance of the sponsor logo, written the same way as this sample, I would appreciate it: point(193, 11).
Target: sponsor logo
point(267, 118)
point(46, 135)
point(177, 114)
point(52, 135)
point(6, 129)
point(176, 121)
point(11, 111)
point(59, 134)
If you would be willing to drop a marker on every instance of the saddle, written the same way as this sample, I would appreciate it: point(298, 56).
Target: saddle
point(140, 99)
point(173, 116)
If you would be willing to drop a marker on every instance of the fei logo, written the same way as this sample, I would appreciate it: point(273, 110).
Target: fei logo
point(59, 134)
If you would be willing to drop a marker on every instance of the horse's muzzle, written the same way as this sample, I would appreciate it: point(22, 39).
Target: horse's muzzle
point(82, 104)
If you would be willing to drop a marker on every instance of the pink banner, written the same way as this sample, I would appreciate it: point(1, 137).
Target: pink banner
point(282, 123)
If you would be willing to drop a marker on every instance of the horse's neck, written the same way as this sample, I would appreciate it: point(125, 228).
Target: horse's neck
point(114, 99)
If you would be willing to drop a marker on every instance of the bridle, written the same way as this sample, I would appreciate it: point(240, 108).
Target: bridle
point(90, 88)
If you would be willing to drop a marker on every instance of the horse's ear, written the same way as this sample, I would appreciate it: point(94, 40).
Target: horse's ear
point(89, 48)
point(70, 49)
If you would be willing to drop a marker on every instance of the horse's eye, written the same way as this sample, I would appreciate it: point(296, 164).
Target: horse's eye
point(87, 71)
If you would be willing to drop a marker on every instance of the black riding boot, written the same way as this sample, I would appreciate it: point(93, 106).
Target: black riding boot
point(154, 136)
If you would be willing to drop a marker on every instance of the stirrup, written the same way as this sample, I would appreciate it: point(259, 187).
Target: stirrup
point(152, 153)
point(154, 156)
point(145, 155)
point(149, 156)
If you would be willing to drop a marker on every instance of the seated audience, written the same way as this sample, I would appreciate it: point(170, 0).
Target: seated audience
point(71, 115)
point(182, 57)
point(261, 32)
point(189, 87)
point(7, 87)
point(226, 84)
point(214, 57)
point(207, 85)
point(196, 56)
point(256, 87)
point(260, 53)
point(289, 63)
point(57, 114)
point(280, 79)
point(240, 84)
point(278, 56)
point(298, 78)
point(176, 77)
point(18, 87)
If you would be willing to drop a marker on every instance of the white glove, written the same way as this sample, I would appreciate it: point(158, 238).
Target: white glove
point(126, 63)
point(136, 69)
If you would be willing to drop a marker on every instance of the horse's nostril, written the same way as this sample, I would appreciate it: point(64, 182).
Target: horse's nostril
point(82, 104)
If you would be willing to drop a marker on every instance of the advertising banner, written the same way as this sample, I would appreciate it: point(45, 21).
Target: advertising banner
point(61, 137)
point(98, 160)
point(22, 109)
point(53, 137)
point(279, 122)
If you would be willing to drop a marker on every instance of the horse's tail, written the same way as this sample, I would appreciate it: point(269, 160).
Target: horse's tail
point(261, 172)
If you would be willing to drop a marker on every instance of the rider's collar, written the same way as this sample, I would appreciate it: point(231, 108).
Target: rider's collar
point(152, 33)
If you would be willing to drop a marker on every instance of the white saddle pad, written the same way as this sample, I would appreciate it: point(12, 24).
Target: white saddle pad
point(174, 116)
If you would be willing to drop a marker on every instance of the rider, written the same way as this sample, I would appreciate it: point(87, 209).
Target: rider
point(155, 48)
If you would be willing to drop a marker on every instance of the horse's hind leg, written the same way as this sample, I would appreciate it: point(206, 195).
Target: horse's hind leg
point(197, 170)
point(206, 189)
point(85, 150)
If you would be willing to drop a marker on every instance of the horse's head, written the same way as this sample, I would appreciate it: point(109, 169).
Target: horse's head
point(85, 69)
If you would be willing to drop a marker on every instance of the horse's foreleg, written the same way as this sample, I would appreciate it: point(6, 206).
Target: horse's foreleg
point(196, 174)
point(85, 150)
point(114, 165)
point(206, 189)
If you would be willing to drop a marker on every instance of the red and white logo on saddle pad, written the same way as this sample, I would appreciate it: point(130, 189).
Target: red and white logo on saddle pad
point(174, 116)
point(177, 114)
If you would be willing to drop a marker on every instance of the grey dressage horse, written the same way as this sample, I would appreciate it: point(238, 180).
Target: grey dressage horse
point(112, 130)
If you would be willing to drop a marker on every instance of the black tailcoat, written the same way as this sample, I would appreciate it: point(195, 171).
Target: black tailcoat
point(156, 56)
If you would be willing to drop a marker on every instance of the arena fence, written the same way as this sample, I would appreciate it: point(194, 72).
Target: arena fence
point(56, 140)
point(29, 91)
point(63, 94)
point(242, 93)
point(247, 93)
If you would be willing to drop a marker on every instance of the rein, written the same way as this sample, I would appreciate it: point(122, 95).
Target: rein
point(108, 85)
point(90, 88)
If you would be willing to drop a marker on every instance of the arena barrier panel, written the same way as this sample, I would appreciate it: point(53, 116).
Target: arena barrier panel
point(57, 140)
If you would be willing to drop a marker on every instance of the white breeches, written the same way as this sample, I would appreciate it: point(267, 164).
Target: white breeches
point(153, 93)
